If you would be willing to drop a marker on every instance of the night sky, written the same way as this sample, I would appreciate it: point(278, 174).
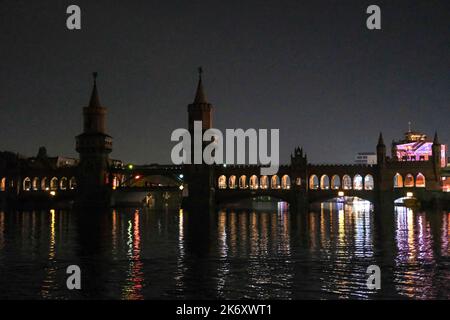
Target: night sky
point(310, 68)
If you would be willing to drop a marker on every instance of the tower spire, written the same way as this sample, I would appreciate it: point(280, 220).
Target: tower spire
point(200, 96)
point(94, 102)
point(435, 140)
point(380, 139)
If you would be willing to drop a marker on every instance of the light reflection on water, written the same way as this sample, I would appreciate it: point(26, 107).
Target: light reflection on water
point(232, 254)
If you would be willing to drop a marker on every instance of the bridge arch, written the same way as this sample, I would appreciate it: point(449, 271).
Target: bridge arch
point(63, 183)
point(335, 182)
point(35, 184)
point(72, 183)
point(285, 182)
point(369, 183)
point(357, 182)
point(222, 182)
point(3, 184)
point(264, 182)
point(324, 182)
point(346, 182)
point(313, 182)
point(54, 184)
point(398, 180)
point(275, 182)
point(232, 182)
point(26, 185)
point(44, 183)
point(254, 182)
point(420, 180)
point(409, 181)
point(243, 182)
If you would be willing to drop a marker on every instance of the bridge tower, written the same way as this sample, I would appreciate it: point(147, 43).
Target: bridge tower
point(94, 146)
point(437, 159)
point(299, 174)
point(199, 177)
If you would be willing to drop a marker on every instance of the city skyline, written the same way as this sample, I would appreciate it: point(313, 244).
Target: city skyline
point(340, 73)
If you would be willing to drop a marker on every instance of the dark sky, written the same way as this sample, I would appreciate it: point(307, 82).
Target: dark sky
point(309, 68)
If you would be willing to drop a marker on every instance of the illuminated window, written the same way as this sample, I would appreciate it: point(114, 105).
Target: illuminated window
point(398, 181)
point(346, 182)
point(285, 182)
point(324, 182)
point(35, 184)
point(63, 183)
point(275, 182)
point(409, 181)
point(3, 184)
point(253, 182)
point(298, 181)
point(335, 182)
point(264, 182)
point(420, 181)
point(357, 182)
point(368, 182)
point(72, 183)
point(313, 182)
point(243, 182)
point(44, 184)
point(222, 182)
point(232, 182)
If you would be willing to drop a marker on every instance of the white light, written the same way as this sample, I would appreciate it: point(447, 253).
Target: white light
point(341, 193)
point(181, 176)
point(181, 187)
point(52, 193)
point(409, 194)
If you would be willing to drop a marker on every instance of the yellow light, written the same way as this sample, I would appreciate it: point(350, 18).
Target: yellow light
point(130, 166)
point(52, 193)
point(341, 193)
point(409, 194)
point(181, 187)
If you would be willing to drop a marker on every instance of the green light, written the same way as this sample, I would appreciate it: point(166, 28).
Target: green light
point(130, 166)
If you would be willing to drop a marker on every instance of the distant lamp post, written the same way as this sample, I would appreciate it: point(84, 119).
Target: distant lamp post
point(341, 193)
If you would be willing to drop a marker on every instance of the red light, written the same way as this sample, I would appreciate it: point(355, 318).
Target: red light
point(137, 177)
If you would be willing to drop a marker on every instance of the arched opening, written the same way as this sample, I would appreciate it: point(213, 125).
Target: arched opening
point(222, 182)
point(298, 181)
point(313, 182)
point(254, 182)
point(275, 182)
point(54, 184)
point(346, 182)
point(44, 184)
point(27, 184)
point(335, 182)
point(63, 183)
point(409, 181)
point(232, 182)
point(35, 184)
point(285, 182)
point(324, 182)
point(398, 181)
point(243, 182)
point(357, 182)
point(420, 181)
point(368, 182)
point(264, 182)
point(3, 184)
point(72, 183)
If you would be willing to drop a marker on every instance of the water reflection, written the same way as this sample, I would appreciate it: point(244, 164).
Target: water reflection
point(232, 254)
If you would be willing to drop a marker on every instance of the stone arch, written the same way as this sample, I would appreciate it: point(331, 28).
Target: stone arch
point(409, 181)
point(264, 182)
point(285, 182)
point(44, 183)
point(26, 185)
point(275, 182)
point(63, 183)
point(313, 182)
point(3, 184)
point(222, 182)
point(243, 182)
point(72, 183)
point(35, 184)
point(369, 183)
point(335, 182)
point(398, 180)
point(346, 182)
point(54, 184)
point(232, 182)
point(420, 180)
point(254, 182)
point(358, 182)
point(324, 182)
